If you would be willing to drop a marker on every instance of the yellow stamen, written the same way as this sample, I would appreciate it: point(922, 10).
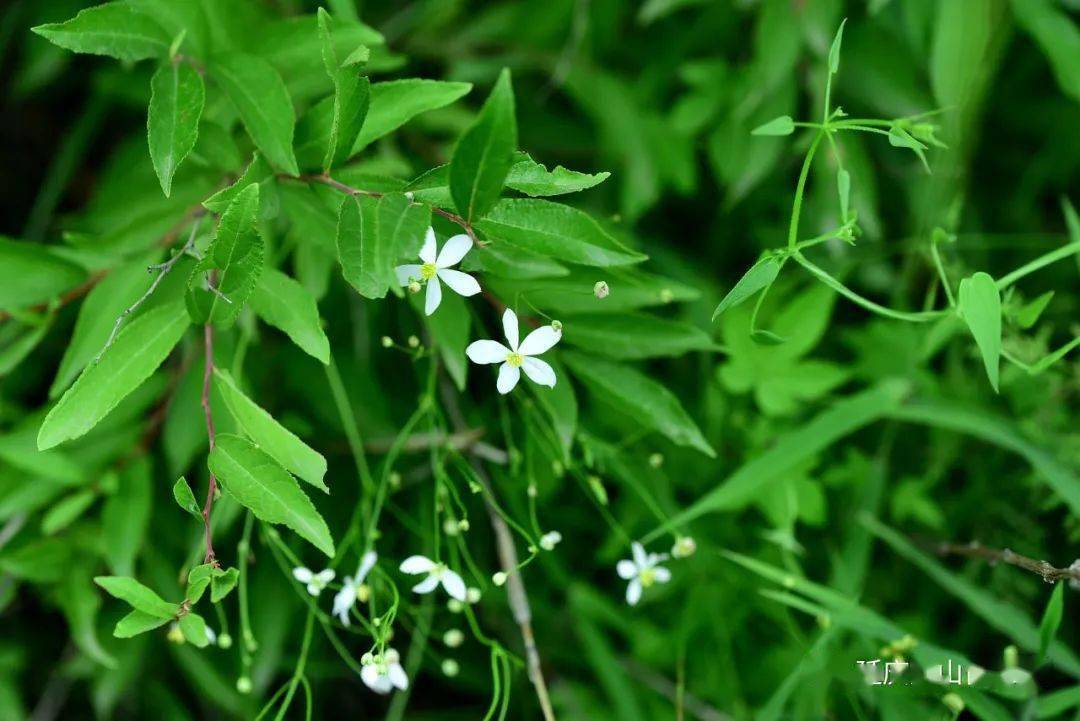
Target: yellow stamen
point(427, 271)
point(514, 360)
point(648, 577)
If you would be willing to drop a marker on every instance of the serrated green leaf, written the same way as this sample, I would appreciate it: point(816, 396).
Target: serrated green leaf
point(137, 596)
point(633, 336)
point(555, 230)
point(186, 499)
point(137, 622)
point(234, 261)
point(653, 405)
point(177, 94)
point(116, 29)
point(980, 307)
point(222, 584)
point(257, 91)
point(272, 437)
point(361, 262)
point(397, 102)
point(258, 483)
point(782, 125)
point(138, 350)
point(193, 627)
point(1051, 621)
point(761, 275)
point(400, 225)
point(255, 173)
point(533, 179)
point(352, 95)
point(484, 153)
point(290, 307)
point(34, 273)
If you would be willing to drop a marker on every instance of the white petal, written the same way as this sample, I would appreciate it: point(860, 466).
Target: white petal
point(454, 585)
point(640, 557)
point(370, 675)
point(508, 378)
point(539, 371)
point(325, 576)
point(366, 564)
point(343, 601)
point(454, 250)
point(540, 340)
point(434, 296)
point(633, 592)
point(510, 328)
point(397, 676)
point(427, 585)
point(427, 253)
point(461, 283)
point(301, 574)
point(407, 273)
point(626, 569)
point(416, 564)
point(661, 574)
point(487, 351)
point(314, 589)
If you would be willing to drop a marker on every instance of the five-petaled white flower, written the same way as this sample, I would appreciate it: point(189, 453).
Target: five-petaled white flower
point(437, 573)
point(438, 267)
point(642, 572)
point(384, 672)
point(517, 357)
point(351, 590)
point(316, 582)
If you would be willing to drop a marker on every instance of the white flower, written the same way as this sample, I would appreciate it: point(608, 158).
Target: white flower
point(642, 572)
point(517, 357)
point(684, 547)
point(350, 591)
point(549, 540)
point(436, 573)
point(383, 673)
point(438, 267)
point(316, 582)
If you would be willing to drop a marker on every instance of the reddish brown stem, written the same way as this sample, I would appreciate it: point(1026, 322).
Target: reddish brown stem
point(211, 491)
point(1049, 573)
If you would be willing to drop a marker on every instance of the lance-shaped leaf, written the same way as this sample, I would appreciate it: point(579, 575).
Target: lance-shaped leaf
point(136, 353)
point(352, 95)
point(256, 172)
point(137, 622)
point(361, 262)
point(232, 264)
point(531, 178)
point(641, 398)
point(397, 102)
point(186, 499)
point(117, 29)
point(285, 304)
point(484, 153)
point(400, 225)
point(782, 125)
point(277, 440)
point(834, 49)
point(193, 626)
point(980, 307)
point(555, 230)
point(258, 483)
point(177, 94)
point(137, 596)
point(1051, 621)
point(761, 275)
point(265, 108)
point(33, 274)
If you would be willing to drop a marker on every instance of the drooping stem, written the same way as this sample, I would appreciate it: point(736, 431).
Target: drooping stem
point(1049, 573)
point(211, 491)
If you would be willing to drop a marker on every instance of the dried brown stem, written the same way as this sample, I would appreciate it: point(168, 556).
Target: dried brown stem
point(1049, 573)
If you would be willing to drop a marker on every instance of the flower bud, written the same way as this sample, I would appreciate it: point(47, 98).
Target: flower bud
point(556, 325)
point(414, 286)
point(601, 290)
point(450, 667)
point(391, 656)
point(549, 540)
point(363, 593)
point(367, 659)
point(243, 685)
point(666, 296)
point(450, 527)
point(455, 606)
point(1011, 657)
point(472, 594)
point(656, 460)
point(453, 638)
point(175, 635)
point(498, 578)
point(395, 479)
point(414, 342)
point(532, 489)
point(224, 641)
point(463, 525)
point(387, 341)
point(684, 547)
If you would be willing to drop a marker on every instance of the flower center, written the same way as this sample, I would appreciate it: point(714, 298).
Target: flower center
point(514, 360)
point(427, 271)
point(648, 577)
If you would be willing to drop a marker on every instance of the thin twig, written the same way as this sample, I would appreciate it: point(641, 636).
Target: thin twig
point(211, 491)
point(508, 558)
point(1049, 573)
point(163, 270)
